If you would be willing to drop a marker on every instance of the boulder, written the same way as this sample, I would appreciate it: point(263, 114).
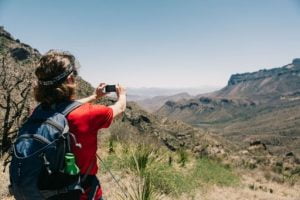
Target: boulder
point(20, 54)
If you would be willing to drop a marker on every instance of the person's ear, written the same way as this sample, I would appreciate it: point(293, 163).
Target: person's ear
point(71, 79)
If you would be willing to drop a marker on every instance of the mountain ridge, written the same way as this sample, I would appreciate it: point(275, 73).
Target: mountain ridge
point(293, 67)
point(260, 105)
point(263, 85)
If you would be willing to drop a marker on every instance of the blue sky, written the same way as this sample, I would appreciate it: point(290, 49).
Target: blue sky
point(160, 43)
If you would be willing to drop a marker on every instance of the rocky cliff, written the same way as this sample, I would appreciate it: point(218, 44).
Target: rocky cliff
point(263, 85)
point(262, 105)
point(291, 69)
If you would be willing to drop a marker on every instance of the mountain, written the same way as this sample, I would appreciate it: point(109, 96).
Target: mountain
point(151, 99)
point(154, 103)
point(264, 85)
point(263, 105)
point(150, 92)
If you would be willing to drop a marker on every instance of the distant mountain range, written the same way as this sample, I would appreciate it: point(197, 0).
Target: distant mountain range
point(262, 105)
point(154, 103)
point(150, 92)
point(151, 99)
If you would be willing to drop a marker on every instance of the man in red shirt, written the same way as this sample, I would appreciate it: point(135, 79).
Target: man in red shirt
point(56, 73)
point(84, 123)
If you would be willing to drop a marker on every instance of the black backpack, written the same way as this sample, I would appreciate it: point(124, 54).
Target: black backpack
point(37, 165)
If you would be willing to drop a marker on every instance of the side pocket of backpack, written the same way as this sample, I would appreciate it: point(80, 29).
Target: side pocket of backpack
point(56, 179)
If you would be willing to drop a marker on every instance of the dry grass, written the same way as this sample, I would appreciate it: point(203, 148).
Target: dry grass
point(261, 190)
point(252, 186)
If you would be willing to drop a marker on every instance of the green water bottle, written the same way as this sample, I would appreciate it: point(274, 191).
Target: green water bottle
point(71, 167)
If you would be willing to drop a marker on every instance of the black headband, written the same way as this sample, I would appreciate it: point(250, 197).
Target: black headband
point(58, 78)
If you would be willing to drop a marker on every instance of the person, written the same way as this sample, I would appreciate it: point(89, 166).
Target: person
point(56, 73)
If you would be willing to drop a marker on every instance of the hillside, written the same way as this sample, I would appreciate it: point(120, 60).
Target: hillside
point(262, 105)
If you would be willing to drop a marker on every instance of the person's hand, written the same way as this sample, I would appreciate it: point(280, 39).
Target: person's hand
point(120, 90)
point(99, 90)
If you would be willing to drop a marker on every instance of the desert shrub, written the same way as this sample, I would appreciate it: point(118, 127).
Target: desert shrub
point(296, 171)
point(170, 181)
point(170, 160)
point(111, 145)
point(183, 157)
point(293, 176)
point(278, 168)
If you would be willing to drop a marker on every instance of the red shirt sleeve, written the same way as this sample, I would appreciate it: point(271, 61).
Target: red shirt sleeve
point(100, 116)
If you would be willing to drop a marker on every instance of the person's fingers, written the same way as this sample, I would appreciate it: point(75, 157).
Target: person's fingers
point(121, 89)
point(102, 85)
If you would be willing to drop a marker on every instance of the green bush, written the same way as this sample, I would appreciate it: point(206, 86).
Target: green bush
point(170, 181)
point(212, 172)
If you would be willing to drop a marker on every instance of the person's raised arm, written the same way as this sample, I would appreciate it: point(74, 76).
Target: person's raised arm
point(120, 105)
point(97, 94)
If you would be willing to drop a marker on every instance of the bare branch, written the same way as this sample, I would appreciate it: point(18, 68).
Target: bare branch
point(15, 87)
point(2, 106)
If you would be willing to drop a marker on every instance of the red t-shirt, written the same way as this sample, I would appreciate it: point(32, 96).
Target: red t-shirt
point(84, 123)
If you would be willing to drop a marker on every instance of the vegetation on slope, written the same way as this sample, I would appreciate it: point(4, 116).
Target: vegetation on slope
point(166, 173)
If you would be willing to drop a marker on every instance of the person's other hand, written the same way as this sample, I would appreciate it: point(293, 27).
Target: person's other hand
point(99, 90)
point(120, 90)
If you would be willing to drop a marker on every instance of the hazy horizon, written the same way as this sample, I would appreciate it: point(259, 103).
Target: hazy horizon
point(149, 92)
point(161, 44)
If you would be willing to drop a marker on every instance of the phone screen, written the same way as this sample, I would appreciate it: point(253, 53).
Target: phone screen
point(110, 88)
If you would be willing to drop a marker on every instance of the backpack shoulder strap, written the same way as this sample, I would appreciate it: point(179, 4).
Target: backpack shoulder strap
point(67, 108)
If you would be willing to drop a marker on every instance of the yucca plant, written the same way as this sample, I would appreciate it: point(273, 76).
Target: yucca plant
point(112, 143)
point(141, 157)
point(140, 189)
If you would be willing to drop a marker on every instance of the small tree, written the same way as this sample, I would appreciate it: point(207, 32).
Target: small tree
point(15, 87)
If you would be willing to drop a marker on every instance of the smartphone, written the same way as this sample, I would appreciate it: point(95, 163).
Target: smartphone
point(109, 88)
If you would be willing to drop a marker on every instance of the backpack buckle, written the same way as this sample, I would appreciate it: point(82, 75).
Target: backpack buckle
point(47, 164)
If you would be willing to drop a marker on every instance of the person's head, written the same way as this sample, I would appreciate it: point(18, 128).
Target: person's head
point(56, 73)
